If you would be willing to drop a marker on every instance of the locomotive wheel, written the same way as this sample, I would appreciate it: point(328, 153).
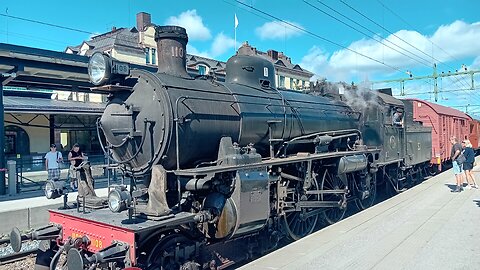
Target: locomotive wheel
point(331, 182)
point(299, 224)
point(162, 256)
point(367, 202)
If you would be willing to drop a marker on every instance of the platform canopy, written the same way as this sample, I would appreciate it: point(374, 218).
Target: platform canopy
point(43, 69)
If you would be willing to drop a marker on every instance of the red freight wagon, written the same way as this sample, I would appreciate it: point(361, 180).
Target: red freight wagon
point(445, 122)
point(474, 132)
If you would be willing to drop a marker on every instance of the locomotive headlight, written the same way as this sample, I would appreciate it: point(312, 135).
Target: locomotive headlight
point(119, 199)
point(53, 189)
point(102, 69)
point(99, 68)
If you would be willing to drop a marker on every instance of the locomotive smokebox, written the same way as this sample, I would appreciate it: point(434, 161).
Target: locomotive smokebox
point(171, 46)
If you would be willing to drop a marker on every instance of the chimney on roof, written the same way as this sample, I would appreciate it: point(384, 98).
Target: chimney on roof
point(273, 54)
point(114, 28)
point(143, 20)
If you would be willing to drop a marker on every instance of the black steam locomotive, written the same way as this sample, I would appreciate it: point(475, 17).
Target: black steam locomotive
point(222, 171)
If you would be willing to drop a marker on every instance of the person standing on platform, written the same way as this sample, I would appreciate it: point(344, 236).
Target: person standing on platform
point(52, 163)
point(76, 157)
point(457, 168)
point(468, 164)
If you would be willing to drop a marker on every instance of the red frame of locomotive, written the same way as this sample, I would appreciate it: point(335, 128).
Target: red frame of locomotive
point(101, 235)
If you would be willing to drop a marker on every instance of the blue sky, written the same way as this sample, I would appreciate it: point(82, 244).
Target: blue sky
point(446, 33)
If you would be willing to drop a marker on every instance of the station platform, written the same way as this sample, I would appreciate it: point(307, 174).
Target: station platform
point(425, 227)
point(32, 212)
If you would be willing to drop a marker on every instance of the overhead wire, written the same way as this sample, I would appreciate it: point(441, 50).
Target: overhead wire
point(316, 35)
point(406, 42)
point(413, 46)
point(63, 27)
point(426, 61)
point(362, 32)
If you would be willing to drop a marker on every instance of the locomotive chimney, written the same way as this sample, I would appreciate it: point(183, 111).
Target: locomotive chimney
point(171, 48)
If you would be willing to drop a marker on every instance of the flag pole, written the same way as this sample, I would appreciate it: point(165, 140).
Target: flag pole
point(235, 24)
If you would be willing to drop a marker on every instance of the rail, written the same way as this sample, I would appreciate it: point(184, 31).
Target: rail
point(17, 256)
point(31, 174)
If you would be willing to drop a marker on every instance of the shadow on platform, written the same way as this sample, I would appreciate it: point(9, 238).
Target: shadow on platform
point(452, 187)
point(477, 202)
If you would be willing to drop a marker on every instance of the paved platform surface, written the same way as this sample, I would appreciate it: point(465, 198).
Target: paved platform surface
point(31, 213)
point(426, 227)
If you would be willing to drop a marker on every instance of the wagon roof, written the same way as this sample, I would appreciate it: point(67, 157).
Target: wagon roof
point(388, 99)
point(439, 109)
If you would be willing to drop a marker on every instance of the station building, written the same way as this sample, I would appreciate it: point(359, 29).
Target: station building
point(137, 45)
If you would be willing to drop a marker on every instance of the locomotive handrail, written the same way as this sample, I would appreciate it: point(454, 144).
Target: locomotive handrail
point(102, 146)
point(266, 163)
point(182, 99)
point(285, 144)
point(254, 96)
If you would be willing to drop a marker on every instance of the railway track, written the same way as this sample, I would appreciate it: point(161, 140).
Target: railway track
point(15, 257)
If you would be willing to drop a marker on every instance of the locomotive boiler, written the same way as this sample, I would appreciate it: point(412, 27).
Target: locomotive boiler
point(171, 119)
point(220, 171)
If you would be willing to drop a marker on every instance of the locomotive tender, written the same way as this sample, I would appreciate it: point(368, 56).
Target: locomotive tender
point(221, 172)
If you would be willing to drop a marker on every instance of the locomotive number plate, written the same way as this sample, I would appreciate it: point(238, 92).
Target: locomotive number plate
point(93, 241)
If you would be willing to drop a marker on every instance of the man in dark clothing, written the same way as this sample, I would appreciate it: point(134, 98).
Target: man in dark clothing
point(457, 168)
point(468, 164)
point(76, 157)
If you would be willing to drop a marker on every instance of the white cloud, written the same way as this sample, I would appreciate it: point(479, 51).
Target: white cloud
point(459, 39)
point(221, 44)
point(195, 51)
point(277, 30)
point(316, 60)
point(476, 63)
point(191, 21)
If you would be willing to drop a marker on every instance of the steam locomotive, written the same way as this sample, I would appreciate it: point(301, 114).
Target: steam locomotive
point(221, 172)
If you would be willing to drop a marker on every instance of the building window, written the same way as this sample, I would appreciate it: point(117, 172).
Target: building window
point(154, 56)
point(17, 141)
point(303, 84)
point(202, 70)
point(147, 55)
point(292, 84)
point(282, 81)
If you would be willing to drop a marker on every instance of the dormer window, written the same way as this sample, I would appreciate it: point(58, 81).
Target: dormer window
point(147, 55)
point(202, 70)
point(154, 56)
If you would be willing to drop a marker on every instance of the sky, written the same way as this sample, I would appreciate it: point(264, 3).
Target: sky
point(340, 40)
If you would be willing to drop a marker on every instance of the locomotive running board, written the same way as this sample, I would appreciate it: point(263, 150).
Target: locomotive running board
point(268, 162)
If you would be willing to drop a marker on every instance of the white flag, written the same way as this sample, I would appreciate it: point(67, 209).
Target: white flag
point(236, 21)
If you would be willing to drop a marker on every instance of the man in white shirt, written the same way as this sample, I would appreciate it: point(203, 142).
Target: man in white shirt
point(52, 163)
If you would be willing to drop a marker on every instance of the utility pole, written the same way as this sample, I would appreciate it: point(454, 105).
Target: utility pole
point(435, 75)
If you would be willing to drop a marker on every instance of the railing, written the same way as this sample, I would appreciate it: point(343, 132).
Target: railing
point(31, 173)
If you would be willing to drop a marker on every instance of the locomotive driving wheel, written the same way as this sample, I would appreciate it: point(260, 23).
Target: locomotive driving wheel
point(364, 203)
point(301, 223)
point(167, 254)
point(333, 182)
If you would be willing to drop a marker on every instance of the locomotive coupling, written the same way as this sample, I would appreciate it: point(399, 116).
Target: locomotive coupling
point(49, 232)
point(114, 252)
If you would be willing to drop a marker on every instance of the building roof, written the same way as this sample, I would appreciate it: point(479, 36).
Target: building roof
point(193, 60)
point(120, 38)
point(16, 104)
point(280, 60)
point(388, 99)
point(442, 109)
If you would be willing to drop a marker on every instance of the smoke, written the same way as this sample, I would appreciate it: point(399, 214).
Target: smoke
point(359, 98)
